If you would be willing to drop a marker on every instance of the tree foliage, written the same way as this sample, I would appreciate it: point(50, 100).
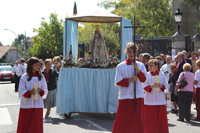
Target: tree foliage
point(18, 42)
point(195, 3)
point(1, 44)
point(49, 39)
point(157, 14)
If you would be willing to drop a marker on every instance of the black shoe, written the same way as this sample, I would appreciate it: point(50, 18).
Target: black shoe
point(175, 112)
point(172, 110)
point(180, 120)
point(188, 121)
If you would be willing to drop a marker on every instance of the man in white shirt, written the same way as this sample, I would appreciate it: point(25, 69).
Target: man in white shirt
point(166, 70)
point(166, 67)
point(22, 67)
point(17, 74)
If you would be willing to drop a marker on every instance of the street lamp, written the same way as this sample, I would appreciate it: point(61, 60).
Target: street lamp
point(178, 19)
point(15, 36)
point(11, 31)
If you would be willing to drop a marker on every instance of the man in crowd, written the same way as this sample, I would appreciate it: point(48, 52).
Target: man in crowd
point(146, 58)
point(166, 67)
point(180, 63)
point(22, 67)
point(186, 58)
point(17, 74)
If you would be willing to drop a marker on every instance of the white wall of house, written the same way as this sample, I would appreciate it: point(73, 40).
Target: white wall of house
point(13, 55)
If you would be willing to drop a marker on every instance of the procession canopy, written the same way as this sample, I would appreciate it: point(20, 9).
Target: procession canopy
point(70, 33)
point(99, 16)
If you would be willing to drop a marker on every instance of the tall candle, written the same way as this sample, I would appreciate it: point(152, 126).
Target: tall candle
point(157, 80)
point(35, 87)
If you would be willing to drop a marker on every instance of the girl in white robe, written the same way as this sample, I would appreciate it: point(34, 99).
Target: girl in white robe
point(155, 115)
point(32, 84)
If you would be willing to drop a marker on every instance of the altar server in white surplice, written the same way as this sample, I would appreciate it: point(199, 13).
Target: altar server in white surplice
point(155, 115)
point(32, 91)
point(128, 119)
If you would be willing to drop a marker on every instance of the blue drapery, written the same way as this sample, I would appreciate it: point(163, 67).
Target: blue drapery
point(64, 39)
point(87, 90)
point(72, 38)
point(126, 36)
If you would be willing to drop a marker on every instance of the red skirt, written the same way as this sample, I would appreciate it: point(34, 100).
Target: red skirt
point(155, 119)
point(129, 120)
point(30, 120)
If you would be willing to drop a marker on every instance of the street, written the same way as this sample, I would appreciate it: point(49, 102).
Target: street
point(79, 123)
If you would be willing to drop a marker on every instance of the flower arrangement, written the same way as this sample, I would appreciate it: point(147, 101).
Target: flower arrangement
point(88, 62)
point(69, 62)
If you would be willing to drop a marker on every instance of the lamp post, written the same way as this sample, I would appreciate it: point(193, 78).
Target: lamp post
point(11, 31)
point(178, 19)
point(178, 39)
point(15, 36)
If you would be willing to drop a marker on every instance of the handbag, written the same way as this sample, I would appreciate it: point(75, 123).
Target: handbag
point(183, 83)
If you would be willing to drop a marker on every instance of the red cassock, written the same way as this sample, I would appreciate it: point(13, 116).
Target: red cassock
point(129, 120)
point(30, 121)
point(155, 119)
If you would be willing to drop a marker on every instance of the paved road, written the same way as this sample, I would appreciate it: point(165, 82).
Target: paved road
point(79, 123)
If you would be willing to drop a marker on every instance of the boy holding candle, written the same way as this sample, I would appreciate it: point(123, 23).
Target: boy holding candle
point(32, 91)
point(155, 116)
point(128, 118)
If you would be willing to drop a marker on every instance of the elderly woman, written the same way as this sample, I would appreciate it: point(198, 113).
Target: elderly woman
point(185, 94)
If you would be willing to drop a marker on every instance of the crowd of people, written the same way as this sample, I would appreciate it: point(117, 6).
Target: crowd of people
point(144, 106)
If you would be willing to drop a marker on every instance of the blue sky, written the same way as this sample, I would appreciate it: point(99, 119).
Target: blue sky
point(21, 16)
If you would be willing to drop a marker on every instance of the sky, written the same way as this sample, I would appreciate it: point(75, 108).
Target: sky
point(21, 16)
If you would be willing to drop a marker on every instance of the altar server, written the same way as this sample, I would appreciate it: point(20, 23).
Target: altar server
point(155, 115)
point(128, 118)
point(32, 91)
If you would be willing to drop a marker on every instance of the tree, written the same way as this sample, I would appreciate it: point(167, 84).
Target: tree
point(18, 42)
point(49, 39)
point(195, 3)
point(1, 44)
point(157, 14)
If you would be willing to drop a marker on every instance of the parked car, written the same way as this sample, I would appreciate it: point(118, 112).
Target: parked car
point(6, 74)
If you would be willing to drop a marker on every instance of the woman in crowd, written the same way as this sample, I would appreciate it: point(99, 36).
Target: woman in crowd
point(51, 78)
point(41, 65)
point(155, 116)
point(172, 83)
point(57, 64)
point(185, 94)
point(32, 91)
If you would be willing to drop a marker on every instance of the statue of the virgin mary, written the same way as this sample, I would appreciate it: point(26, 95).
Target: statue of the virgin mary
point(98, 47)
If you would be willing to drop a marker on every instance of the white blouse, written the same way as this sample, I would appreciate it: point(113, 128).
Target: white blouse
point(197, 78)
point(155, 97)
point(25, 86)
point(127, 71)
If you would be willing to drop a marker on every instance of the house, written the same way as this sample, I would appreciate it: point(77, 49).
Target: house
point(9, 54)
